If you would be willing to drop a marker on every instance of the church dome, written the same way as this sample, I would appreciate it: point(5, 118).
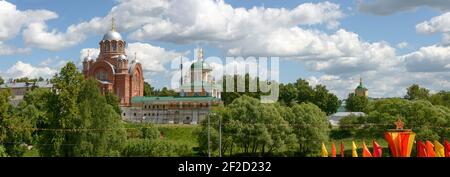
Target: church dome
point(112, 35)
point(201, 65)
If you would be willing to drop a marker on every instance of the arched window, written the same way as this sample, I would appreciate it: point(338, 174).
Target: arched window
point(102, 75)
point(120, 47)
point(114, 47)
point(107, 47)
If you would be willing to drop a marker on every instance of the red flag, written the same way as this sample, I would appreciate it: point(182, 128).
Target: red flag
point(366, 152)
point(430, 149)
point(447, 148)
point(421, 149)
point(333, 150)
point(342, 149)
point(377, 149)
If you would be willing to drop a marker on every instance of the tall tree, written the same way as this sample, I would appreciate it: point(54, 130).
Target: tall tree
point(311, 127)
point(356, 103)
point(2, 81)
point(415, 92)
point(288, 93)
point(106, 134)
point(63, 114)
point(80, 121)
point(114, 101)
point(148, 89)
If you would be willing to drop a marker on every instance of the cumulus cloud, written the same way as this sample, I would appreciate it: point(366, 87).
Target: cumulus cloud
point(216, 21)
point(11, 50)
point(428, 59)
point(151, 57)
point(22, 69)
point(12, 20)
point(387, 7)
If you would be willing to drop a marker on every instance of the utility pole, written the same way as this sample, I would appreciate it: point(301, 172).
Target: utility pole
point(209, 135)
point(220, 136)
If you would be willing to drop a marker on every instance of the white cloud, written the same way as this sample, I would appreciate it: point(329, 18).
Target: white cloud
point(13, 20)
point(151, 57)
point(387, 7)
point(11, 50)
point(21, 69)
point(216, 21)
point(402, 45)
point(36, 35)
point(428, 59)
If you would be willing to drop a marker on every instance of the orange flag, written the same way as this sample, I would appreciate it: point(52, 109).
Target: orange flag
point(342, 149)
point(377, 149)
point(447, 148)
point(430, 149)
point(421, 149)
point(366, 151)
point(333, 150)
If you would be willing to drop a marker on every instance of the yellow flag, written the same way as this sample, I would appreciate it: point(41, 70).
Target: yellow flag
point(439, 149)
point(354, 153)
point(324, 150)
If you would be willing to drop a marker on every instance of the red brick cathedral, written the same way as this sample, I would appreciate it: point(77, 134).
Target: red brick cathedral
point(113, 71)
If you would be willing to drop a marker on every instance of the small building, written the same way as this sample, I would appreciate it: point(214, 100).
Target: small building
point(361, 90)
point(336, 117)
point(169, 110)
point(19, 89)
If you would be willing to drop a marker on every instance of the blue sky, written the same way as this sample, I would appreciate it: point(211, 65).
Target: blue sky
point(378, 36)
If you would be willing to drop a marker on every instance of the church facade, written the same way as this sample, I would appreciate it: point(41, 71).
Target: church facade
point(113, 70)
point(198, 94)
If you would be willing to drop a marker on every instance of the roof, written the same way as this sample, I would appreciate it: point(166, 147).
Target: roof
point(112, 35)
point(172, 98)
point(200, 64)
point(41, 84)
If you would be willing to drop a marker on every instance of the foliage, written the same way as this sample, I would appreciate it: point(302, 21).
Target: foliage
point(302, 92)
point(150, 132)
point(75, 104)
point(310, 126)
point(3, 152)
point(148, 89)
point(114, 101)
point(248, 127)
point(427, 120)
point(154, 148)
point(2, 81)
point(441, 98)
point(15, 130)
point(355, 103)
point(415, 92)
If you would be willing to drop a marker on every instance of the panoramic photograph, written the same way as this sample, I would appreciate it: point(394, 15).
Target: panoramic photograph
point(224, 79)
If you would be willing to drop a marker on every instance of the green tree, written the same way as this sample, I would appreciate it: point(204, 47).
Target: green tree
point(15, 129)
point(148, 89)
point(2, 81)
point(114, 101)
point(80, 120)
point(3, 152)
point(250, 127)
point(62, 113)
point(440, 98)
point(415, 92)
point(106, 133)
point(288, 93)
point(149, 131)
point(326, 101)
point(356, 103)
point(310, 126)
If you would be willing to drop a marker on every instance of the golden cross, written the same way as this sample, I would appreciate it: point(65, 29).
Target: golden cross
point(399, 124)
point(113, 24)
